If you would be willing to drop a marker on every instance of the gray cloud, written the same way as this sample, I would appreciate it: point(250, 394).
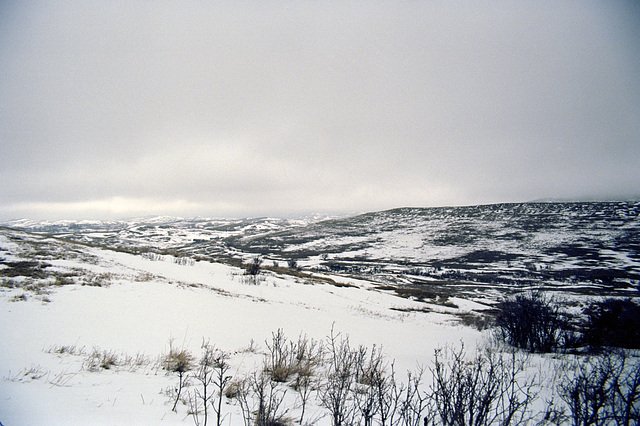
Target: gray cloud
point(126, 108)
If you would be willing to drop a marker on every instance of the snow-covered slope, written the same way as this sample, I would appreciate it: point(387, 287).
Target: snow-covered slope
point(60, 302)
point(78, 293)
point(593, 245)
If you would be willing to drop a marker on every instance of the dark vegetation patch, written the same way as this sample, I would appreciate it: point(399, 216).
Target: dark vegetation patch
point(414, 293)
point(352, 266)
point(484, 256)
point(478, 320)
point(531, 321)
point(537, 223)
point(614, 278)
point(511, 236)
point(576, 251)
point(538, 322)
point(428, 294)
point(613, 322)
point(24, 268)
point(454, 238)
point(20, 298)
point(422, 310)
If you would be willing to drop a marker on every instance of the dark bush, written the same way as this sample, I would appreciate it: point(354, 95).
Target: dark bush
point(602, 390)
point(613, 322)
point(490, 388)
point(531, 321)
point(253, 268)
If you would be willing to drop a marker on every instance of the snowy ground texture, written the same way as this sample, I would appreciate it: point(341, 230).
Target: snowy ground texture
point(84, 328)
point(85, 299)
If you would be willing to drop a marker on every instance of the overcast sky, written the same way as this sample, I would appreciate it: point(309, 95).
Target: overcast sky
point(245, 108)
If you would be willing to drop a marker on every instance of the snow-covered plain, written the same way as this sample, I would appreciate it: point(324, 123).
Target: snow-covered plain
point(88, 299)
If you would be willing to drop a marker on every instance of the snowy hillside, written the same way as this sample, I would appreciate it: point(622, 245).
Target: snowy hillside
point(567, 245)
point(61, 302)
point(580, 247)
point(91, 310)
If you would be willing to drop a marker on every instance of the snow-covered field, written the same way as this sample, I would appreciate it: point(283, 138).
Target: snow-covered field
point(88, 300)
point(86, 295)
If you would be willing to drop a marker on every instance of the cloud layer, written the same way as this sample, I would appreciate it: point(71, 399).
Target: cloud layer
point(252, 108)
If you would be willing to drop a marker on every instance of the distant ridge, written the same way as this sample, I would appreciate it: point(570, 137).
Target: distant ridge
point(588, 246)
point(586, 200)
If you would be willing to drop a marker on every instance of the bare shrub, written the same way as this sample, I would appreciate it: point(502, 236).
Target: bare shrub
point(358, 386)
point(602, 390)
point(253, 268)
point(268, 398)
point(252, 347)
point(210, 376)
point(308, 351)
point(479, 321)
point(285, 358)
point(292, 264)
point(336, 394)
point(303, 385)
point(221, 379)
point(369, 370)
point(489, 389)
point(260, 399)
point(388, 395)
point(410, 401)
point(241, 393)
point(308, 356)
point(531, 321)
point(280, 360)
point(178, 361)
